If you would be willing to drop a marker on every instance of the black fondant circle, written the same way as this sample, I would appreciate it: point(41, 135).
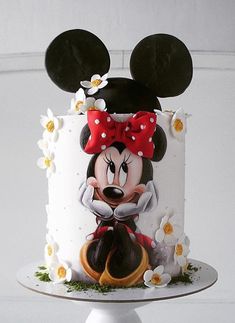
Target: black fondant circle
point(74, 56)
point(123, 95)
point(162, 63)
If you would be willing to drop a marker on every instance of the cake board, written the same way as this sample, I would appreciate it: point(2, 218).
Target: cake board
point(119, 305)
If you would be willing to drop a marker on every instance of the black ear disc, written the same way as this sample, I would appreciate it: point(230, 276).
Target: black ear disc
point(75, 56)
point(162, 63)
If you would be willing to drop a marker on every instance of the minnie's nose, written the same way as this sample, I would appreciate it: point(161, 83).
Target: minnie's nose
point(113, 192)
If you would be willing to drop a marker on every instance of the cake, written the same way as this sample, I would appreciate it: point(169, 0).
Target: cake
point(115, 164)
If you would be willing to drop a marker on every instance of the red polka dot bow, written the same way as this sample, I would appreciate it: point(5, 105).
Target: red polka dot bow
point(136, 132)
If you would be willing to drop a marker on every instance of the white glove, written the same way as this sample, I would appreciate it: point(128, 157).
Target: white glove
point(147, 201)
point(100, 208)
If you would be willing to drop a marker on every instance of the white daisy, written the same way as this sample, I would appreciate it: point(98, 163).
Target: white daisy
point(97, 82)
point(169, 230)
point(156, 277)
point(51, 125)
point(178, 124)
point(47, 162)
point(59, 272)
point(93, 104)
point(78, 103)
point(181, 251)
point(50, 251)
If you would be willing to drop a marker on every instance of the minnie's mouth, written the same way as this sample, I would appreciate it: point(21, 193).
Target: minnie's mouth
point(114, 202)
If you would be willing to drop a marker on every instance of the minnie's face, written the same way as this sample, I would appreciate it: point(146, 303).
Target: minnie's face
point(117, 177)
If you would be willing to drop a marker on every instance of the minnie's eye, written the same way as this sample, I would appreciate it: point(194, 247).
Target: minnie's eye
point(110, 172)
point(123, 174)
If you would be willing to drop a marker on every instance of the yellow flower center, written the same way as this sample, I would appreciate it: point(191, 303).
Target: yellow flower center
point(78, 105)
point(96, 83)
point(92, 108)
point(49, 250)
point(47, 162)
point(50, 126)
point(179, 249)
point(168, 228)
point(178, 125)
point(156, 279)
point(61, 272)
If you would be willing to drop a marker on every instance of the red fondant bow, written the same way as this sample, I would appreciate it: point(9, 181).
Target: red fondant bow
point(136, 132)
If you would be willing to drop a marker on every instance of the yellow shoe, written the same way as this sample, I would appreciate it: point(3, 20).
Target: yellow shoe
point(132, 279)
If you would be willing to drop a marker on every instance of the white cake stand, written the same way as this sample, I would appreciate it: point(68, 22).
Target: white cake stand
point(119, 305)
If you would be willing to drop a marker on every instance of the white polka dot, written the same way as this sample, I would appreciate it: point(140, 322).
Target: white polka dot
point(127, 128)
point(140, 153)
point(97, 121)
point(108, 119)
point(133, 137)
point(90, 137)
point(142, 126)
point(151, 120)
point(103, 147)
point(103, 135)
point(150, 139)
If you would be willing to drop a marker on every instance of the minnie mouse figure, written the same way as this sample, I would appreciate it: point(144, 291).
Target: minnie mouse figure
point(123, 142)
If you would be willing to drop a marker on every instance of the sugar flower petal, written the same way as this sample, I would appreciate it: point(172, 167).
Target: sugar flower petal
point(95, 77)
point(104, 77)
point(103, 84)
point(159, 235)
point(158, 270)
point(41, 163)
point(50, 114)
point(148, 275)
point(86, 84)
point(90, 102)
point(100, 104)
point(166, 278)
point(93, 90)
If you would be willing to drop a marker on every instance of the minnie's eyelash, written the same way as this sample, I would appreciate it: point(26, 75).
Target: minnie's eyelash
point(108, 160)
point(126, 160)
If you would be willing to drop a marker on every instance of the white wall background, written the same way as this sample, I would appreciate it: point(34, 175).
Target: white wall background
point(207, 27)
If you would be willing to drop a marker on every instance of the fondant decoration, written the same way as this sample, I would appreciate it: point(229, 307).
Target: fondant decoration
point(157, 277)
point(43, 144)
point(50, 251)
point(123, 95)
point(169, 230)
point(74, 56)
point(77, 104)
point(97, 82)
point(136, 133)
point(182, 250)
point(51, 125)
point(93, 104)
point(81, 104)
point(162, 63)
point(118, 188)
point(59, 272)
point(178, 124)
point(47, 162)
point(114, 258)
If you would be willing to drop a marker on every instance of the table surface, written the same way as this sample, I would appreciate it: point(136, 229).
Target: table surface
point(205, 277)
